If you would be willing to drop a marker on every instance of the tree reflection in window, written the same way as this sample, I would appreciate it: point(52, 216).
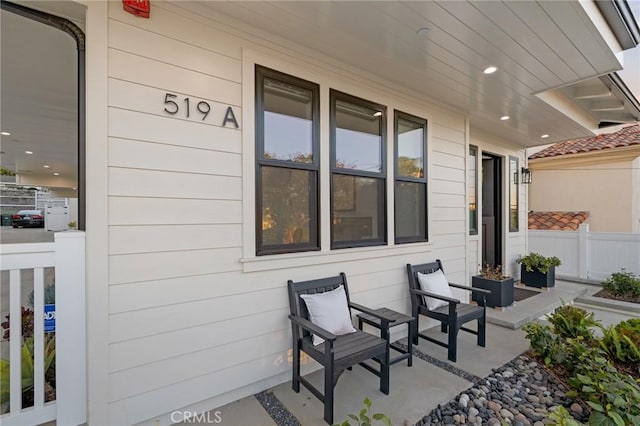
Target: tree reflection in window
point(287, 138)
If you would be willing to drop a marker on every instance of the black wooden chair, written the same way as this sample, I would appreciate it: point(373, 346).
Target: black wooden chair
point(452, 316)
point(337, 353)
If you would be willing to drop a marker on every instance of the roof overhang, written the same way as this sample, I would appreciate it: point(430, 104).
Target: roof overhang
point(620, 18)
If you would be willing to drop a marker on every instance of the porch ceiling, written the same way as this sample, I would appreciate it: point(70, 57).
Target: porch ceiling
point(536, 46)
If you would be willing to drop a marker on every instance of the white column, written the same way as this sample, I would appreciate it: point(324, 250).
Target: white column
point(71, 349)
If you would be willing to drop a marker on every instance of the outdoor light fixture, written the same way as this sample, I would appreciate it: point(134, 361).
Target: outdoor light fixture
point(526, 175)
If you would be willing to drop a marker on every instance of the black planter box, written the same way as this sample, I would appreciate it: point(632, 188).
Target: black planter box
point(538, 279)
point(501, 291)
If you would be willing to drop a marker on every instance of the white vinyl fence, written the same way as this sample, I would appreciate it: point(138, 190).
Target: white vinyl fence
point(26, 268)
point(588, 255)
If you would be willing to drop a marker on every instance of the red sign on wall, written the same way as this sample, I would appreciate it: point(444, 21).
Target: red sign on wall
point(139, 8)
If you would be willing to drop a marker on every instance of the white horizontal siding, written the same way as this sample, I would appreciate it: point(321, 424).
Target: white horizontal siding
point(154, 266)
point(126, 66)
point(152, 183)
point(168, 211)
point(160, 238)
point(132, 154)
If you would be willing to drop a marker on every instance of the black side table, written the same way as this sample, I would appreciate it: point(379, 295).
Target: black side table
point(384, 332)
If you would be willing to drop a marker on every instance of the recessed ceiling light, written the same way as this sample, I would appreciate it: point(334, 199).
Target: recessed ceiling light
point(46, 166)
point(74, 188)
point(377, 114)
point(5, 133)
point(28, 152)
point(424, 31)
point(490, 70)
point(504, 118)
point(56, 174)
point(544, 136)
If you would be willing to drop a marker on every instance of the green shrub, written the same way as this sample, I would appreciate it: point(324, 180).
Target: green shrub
point(535, 262)
point(614, 398)
point(561, 417)
point(365, 417)
point(546, 343)
point(571, 321)
point(623, 284)
point(622, 341)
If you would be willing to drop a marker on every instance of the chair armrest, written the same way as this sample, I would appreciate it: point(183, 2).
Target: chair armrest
point(472, 289)
point(372, 312)
point(436, 296)
point(309, 326)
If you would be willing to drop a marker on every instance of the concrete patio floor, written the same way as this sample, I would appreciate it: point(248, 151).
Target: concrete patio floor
point(416, 390)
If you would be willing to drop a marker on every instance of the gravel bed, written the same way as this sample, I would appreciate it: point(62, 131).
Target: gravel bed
point(278, 412)
point(520, 393)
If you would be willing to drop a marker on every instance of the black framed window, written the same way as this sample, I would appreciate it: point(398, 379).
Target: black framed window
point(287, 163)
point(472, 189)
point(513, 195)
point(410, 178)
point(358, 196)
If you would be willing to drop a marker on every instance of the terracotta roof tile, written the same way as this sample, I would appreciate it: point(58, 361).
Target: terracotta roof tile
point(626, 136)
point(557, 221)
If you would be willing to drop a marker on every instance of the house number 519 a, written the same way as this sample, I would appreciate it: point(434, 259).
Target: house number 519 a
point(173, 107)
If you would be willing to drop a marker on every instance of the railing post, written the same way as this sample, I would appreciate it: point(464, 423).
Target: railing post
point(71, 376)
point(583, 251)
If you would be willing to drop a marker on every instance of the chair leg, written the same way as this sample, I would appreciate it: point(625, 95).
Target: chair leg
point(295, 380)
point(453, 342)
point(482, 332)
point(329, 382)
point(443, 327)
point(416, 330)
point(412, 332)
point(384, 372)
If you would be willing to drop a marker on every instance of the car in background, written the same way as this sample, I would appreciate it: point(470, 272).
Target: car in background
point(28, 219)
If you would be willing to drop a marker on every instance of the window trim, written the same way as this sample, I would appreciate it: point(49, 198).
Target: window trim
point(474, 231)
point(397, 177)
point(261, 73)
point(515, 181)
point(334, 96)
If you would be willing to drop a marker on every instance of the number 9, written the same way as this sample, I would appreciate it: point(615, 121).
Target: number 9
point(204, 108)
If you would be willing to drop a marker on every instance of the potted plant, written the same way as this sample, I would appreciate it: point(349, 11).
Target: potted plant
point(537, 270)
point(501, 287)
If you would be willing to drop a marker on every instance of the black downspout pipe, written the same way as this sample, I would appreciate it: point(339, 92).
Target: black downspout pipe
point(78, 35)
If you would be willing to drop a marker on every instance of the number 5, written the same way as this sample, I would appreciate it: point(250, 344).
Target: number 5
point(170, 102)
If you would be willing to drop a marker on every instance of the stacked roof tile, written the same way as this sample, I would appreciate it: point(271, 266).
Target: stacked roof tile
point(556, 221)
point(626, 136)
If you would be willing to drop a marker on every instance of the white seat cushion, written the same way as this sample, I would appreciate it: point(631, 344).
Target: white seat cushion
point(435, 283)
point(330, 311)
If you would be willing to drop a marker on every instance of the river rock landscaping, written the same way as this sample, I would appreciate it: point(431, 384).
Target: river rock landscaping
point(520, 393)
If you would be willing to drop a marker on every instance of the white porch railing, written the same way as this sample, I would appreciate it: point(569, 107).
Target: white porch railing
point(588, 255)
point(66, 255)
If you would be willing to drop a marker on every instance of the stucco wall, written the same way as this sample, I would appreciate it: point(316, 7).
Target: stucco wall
point(605, 190)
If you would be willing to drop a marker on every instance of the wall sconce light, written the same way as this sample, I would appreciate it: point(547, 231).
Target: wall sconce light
point(526, 175)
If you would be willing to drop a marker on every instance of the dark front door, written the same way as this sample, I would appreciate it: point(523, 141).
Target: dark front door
point(491, 209)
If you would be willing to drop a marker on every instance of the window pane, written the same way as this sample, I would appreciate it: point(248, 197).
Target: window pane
point(288, 122)
point(358, 137)
point(410, 210)
point(288, 200)
point(472, 190)
point(513, 195)
point(410, 149)
point(358, 208)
